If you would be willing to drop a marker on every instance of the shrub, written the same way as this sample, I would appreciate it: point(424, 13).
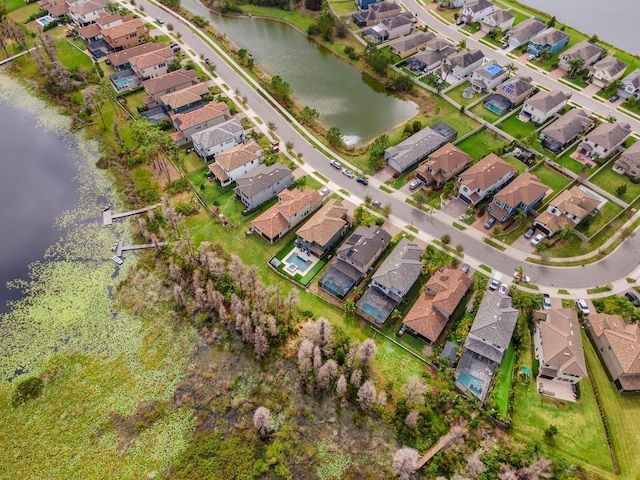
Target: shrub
point(26, 390)
point(177, 186)
point(186, 208)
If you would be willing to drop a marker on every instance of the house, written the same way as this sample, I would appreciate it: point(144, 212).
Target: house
point(585, 51)
point(157, 87)
point(292, 208)
point(121, 60)
point(442, 165)
point(542, 106)
point(485, 177)
point(126, 35)
point(152, 64)
point(435, 52)
point(391, 282)
point(569, 208)
point(364, 4)
point(262, 184)
point(523, 193)
point(551, 39)
point(485, 345)
point(455, 3)
point(185, 99)
point(618, 346)
point(463, 63)
point(353, 259)
point(390, 28)
point(501, 19)
point(476, 10)
point(419, 145)
point(607, 70)
point(411, 44)
point(55, 8)
point(443, 292)
point(629, 162)
point(604, 139)
point(487, 77)
point(558, 345)
point(630, 85)
point(188, 123)
point(93, 31)
point(509, 93)
point(324, 230)
point(87, 12)
point(236, 162)
point(218, 138)
point(522, 33)
point(565, 130)
point(375, 13)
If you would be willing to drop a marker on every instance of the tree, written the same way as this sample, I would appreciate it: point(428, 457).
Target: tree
point(342, 28)
point(334, 136)
point(367, 352)
point(545, 54)
point(462, 44)
point(405, 462)
point(445, 70)
point(262, 420)
point(412, 418)
point(386, 210)
point(289, 146)
point(511, 69)
point(399, 82)
point(551, 22)
point(308, 115)
point(459, 249)
point(367, 395)
point(621, 190)
point(551, 431)
point(414, 391)
point(377, 147)
point(446, 239)
point(376, 59)
point(576, 65)
point(242, 54)
point(271, 128)
point(341, 386)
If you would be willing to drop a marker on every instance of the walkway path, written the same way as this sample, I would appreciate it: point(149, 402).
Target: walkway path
point(454, 434)
point(7, 60)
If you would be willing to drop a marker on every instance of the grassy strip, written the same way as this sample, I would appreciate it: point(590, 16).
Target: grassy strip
point(385, 189)
point(458, 226)
point(488, 241)
point(485, 268)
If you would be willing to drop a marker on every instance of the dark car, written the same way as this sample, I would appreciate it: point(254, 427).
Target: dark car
point(362, 180)
point(633, 298)
point(529, 233)
point(504, 46)
point(377, 204)
point(489, 223)
point(613, 98)
point(464, 268)
point(208, 62)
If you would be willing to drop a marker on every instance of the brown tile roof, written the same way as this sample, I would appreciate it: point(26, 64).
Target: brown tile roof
point(123, 56)
point(624, 339)
point(632, 154)
point(526, 189)
point(90, 31)
point(485, 173)
point(185, 96)
point(126, 28)
point(325, 224)
point(561, 341)
point(218, 172)
point(447, 158)
point(239, 155)
point(553, 222)
point(170, 80)
point(575, 202)
point(276, 220)
point(87, 7)
point(609, 134)
point(149, 59)
point(183, 121)
point(443, 293)
point(58, 10)
point(106, 18)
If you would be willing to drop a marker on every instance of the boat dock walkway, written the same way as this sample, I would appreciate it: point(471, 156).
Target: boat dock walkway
point(108, 217)
point(118, 247)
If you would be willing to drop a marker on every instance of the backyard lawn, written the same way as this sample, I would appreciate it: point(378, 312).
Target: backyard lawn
point(569, 163)
point(610, 180)
point(456, 94)
point(515, 163)
point(503, 383)
point(449, 114)
point(600, 219)
point(342, 7)
point(552, 179)
point(485, 113)
point(481, 143)
point(517, 128)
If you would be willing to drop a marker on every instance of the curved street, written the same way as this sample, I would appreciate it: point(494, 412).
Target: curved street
point(614, 269)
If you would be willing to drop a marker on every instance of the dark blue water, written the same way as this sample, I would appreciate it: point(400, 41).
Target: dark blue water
point(37, 171)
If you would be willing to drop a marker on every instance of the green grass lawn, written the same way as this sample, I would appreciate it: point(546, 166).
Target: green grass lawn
point(569, 163)
point(23, 12)
point(14, 5)
point(517, 128)
point(600, 219)
point(303, 22)
point(480, 144)
point(342, 7)
point(456, 94)
point(552, 179)
point(447, 113)
point(515, 163)
point(610, 180)
point(448, 14)
point(71, 57)
point(485, 113)
point(503, 385)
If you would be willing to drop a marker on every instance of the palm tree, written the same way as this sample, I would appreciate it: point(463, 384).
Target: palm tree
point(576, 65)
point(271, 128)
point(511, 69)
point(462, 44)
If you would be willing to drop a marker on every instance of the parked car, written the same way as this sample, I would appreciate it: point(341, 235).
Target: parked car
point(377, 204)
point(117, 259)
point(614, 98)
point(582, 305)
point(362, 180)
point(175, 47)
point(336, 164)
point(537, 239)
point(209, 62)
point(348, 173)
point(520, 276)
point(529, 233)
point(324, 191)
point(460, 22)
point(504, 46)
point(633, 298)
point(160, 20)
point(465, 268)
point(489, 223)
point(546, 301)
point(415, 184)
point(504, 288)
point(495, 282)
point(530, 57)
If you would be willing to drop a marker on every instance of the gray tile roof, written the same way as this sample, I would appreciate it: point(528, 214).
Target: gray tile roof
point(495, 320)
point(466, 57)
point(527, 29)
point(583, 50)
point(609, 134)
point(401, 268)
point(363, 245)
point(546, 101)
point(568, 126)
point(550, 36)
point(218, 134)
point(477, 5)
point(515, 86)
point(421, 144)
point(500, 16)
point(611, 65)
point(412, 41)
point(261, 178)
point(633, 78)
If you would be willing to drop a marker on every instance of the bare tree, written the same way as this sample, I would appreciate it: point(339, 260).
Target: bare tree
point(367, 395)
point(260, 342)
point(382, 398)
point(327, 373)
point(178, 296)
point(356, 378)
point(367, 352)
point(507, 473)
point(317, 358)
point(414, 391)
point(323, 337)
point(412, 418)
point(341, 386)
point(540, 468)
point(405, 462)
point(305, 351)
point(262, 420)
point(475, 467)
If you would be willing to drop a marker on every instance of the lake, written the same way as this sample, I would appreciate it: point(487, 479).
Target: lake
point(615, 22)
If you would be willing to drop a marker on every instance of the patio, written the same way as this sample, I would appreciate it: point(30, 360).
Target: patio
point(555, 389)
point(586, 160)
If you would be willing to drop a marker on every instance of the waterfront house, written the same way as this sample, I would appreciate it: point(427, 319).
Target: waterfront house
point(432, 310)
point(390, 28)
point(376, 13)
point(603, 140)
point(630, 85)
point(55, 8)
point(391, 282)
point(476, 10)
point(463, 63)
point(419, 146)
point(501, 19)
point(121, 60)
point(483, 178)
point(217, 139)
point(188, 123)
point(186, 99)
point(524, 193)
point(87, 12)
point(353, 259)
point(152, 64)
point(562, 132)
point(411, 44)
point(629, 162)
point(157, 87)
point(585, 51)
point(324, 230)
point(236, 162)
point(262, 184)
point(522, 33)
point(485, 345)
point(542, 106)
point(293, 207)
point(487, 77)
point(435, 52)
point(607, 70)
point(442, 165)
point(568, 208)
point(126, 35)
point(93, 31)
point(558, 345)
point(618, 345)
point(551, 39)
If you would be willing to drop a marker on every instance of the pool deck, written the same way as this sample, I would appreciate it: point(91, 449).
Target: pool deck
point(551, 388)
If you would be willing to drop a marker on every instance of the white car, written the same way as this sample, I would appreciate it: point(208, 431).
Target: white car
point(348, 173)
point(582, 305)
point(494, 283)
point(546, 301)
point(530, 57)
point(504, 288)
point(324, 191)
point(537, 239)
point(415, 184)
point(160, 20)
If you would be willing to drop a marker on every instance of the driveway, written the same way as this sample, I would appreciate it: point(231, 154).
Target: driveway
point(523, 244)
point(454, 208)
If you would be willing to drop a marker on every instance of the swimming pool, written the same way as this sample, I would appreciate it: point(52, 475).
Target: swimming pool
point(46, 20)
point(471, 382)
point(122, 83)
point(299, 262)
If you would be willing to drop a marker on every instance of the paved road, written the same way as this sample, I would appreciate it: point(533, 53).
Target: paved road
point(615, 266)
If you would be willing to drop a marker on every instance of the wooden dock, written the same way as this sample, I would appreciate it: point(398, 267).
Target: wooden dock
point(119, 247)
point(108, 217)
